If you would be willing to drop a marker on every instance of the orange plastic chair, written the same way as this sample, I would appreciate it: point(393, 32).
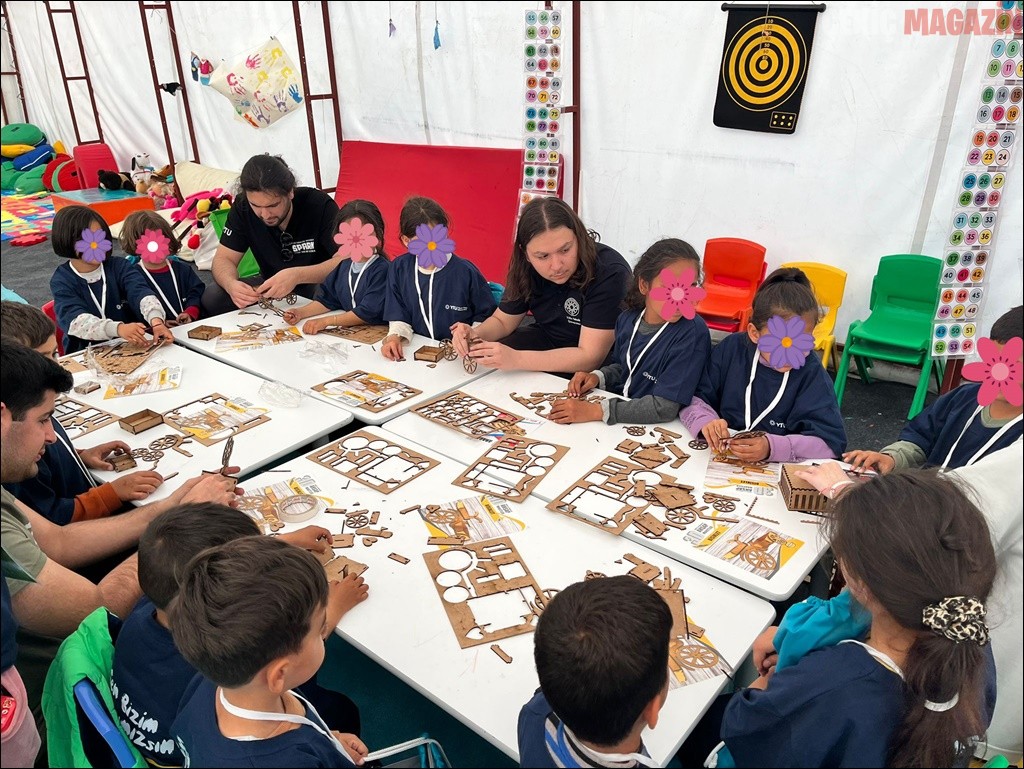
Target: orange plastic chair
point(733, 269)
point(51, 313)
point(829, 286)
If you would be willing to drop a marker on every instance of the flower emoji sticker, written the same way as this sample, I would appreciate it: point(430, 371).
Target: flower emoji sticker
point(786, 343)
point(678, 293)
point(356, 241)
point(94, 246)
point(999, 371)
point(431, 246)
point(153, 246)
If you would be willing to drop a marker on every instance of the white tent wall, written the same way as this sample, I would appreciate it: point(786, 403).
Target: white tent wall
point(871, 170)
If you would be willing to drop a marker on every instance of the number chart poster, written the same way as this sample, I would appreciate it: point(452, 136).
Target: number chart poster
point(764, 68)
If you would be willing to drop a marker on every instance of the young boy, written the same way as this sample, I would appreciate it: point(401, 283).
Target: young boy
point(955, 431)
point(251, 615)
point(150, 675)
point(601, 650)
point(63, 490)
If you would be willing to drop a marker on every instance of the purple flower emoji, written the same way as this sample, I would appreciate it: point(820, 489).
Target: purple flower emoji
point(94, 246)
point(786, 343)
point(431, 246)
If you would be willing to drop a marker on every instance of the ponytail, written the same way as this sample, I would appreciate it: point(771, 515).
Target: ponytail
point(786, 292)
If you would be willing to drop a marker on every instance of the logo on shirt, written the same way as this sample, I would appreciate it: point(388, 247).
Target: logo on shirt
point(780, 425)
point(653, 378)
point(227, 231)
point(456, 308)
point(303, 247)
point(572, 307)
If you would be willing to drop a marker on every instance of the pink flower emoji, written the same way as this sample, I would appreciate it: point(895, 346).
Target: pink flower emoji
point(94, 246)
point(678, 293)
point(431, 246)
point(786, 342)
point(153, 246)
point(999, 371)
point(356, 240)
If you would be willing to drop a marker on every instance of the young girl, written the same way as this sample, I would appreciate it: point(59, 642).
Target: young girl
point(757, 380)
point(149, 236)
point(430, 289)
point(918, 688)
point(97, 298)
point(661, 345)
point(357, 286)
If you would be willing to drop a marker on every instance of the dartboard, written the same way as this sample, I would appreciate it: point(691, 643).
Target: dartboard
point(764, 63)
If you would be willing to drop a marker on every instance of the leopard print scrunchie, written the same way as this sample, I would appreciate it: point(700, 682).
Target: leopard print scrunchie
point(958, 618)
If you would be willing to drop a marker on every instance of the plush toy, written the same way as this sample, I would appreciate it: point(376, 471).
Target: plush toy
point(142, 170)
point(161, 188)
point(115, 180)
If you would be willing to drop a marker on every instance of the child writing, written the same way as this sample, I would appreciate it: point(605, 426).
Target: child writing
point(917, 688)
point(96, 297)
point(254, 640)
point(963, 425)
point(601, 650)
point(63, 489)
point(757, 380)
point(661, 345)
point(150, 675)
point(149, 236)
point(358, 285)
point(430, 289)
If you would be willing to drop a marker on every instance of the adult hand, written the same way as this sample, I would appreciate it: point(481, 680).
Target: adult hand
point(496, 355)
point(392, 347)
point(715, 433)
point(571, 410)
point(764, 647)
point(461, 334)
point(242, 294)
point(315, 325)
point(136, 486)
point(281, 284)
point(342, 595)
point(314, 538)
point(581, 383)
point(96, 457)
point(861, 461)
point(750, 449)
point(161, 333)
point(355, 747)
point(133, 333)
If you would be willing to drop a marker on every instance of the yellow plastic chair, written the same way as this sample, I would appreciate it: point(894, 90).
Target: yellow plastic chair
point(829, 286)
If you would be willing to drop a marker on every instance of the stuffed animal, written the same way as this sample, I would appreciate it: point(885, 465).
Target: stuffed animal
point(142, 169)
point(116, 180)
point(162, 189)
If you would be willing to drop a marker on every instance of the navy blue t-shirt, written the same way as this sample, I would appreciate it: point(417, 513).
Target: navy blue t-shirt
point(335, 293)
point(808, 406)
point(936, 429)
point(461, 295)
point(148, 681)
point(561, 310)
point(672, 367)
point(58, 480)
point(202, 743)
point(187, 293)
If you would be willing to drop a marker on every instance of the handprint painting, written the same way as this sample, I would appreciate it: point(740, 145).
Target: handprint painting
point(262, 84)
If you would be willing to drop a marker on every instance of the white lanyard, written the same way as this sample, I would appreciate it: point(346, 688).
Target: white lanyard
point(258, 715)
point(981, 452)
point(428, 317)
point(750, 387)
point(74, 455)
point(882, 657)
point(353, 286)
point(101, 305)
point(600, 758)
point(177, 291)
point(629, 352)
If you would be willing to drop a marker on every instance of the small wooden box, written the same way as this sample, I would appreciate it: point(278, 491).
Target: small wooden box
point(429, 354)
point(141, 421)
point(87, 387)
point(122, 461)
point(800, 496)
point(206, 333)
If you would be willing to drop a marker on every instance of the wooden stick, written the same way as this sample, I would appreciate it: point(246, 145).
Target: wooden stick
point(400, 558)
point(501, 653)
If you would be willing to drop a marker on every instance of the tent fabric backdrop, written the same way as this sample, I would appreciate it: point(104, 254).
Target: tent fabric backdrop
point(846, 189)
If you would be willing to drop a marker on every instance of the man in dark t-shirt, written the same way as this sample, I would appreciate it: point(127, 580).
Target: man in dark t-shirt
point(289, 229)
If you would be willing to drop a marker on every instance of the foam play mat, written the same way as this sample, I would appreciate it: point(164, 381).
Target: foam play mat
point(25, 214)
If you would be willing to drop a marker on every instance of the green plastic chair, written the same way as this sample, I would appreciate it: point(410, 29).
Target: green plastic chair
point(904, 296)
point(247, 267)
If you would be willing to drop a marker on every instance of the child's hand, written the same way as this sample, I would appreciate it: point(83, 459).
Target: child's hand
point(764, 654)
point(343, 595)
point(495, 355)
point(392, 348)
point(581, 383)
point(183, 319)
point(133, 333)
point(716, 432)
point(314, 326)
point(161, 333)
point(461, 334)
point(136, 486)
point(96, 457)
point(570, 410)
point(823, 476)
point(291, 317)
point(314, 538)
point(870, 460)
point(357, 750)
point(751, 449)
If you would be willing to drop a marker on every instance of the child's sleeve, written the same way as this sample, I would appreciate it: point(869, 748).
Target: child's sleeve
point(370, 307)
point(814, 427)
point(648, 410)
point(76, 315)
point(396, 314)
point(704, 405)
point(192, 287)
point(482, 304)
point(681, 377)
point(918, 437)
point(95, 503)
point(133, 286)
point(816, 623)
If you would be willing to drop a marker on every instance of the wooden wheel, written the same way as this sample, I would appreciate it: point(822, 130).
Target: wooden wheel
point(442, 517)
point(357, 521)
point(759, 559)
point(147, 455)
point(695, 656)
point(636, 431)
point(448, 351)
point(469, 364)
point(698, 444)
point(680, 516)
point(724, 505)
point(164, 443)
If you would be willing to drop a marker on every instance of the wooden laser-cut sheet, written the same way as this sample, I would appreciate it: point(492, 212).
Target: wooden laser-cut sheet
point(364, 390)
point(79, 418)
point(468, 415)
point(373, 461)
point(214, 418)
point(487, 591)
point(121, 358)
point(540, 403)
point(362, 334)
point(511, 468)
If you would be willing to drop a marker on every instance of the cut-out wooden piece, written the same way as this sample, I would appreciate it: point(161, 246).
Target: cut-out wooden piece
point(361, 334)
point(649, 526)
point(635, 430)
point(365, 390)
point(366, 531)
point(172, 441)
point(762, 518)
point(468, 415)
point(540, 403)
point(341, 566)
point(141, 421)
point(650, 457)
point(511, 468)
point(205, 333)
point(79, 418)
point(373, 461)
point(374, 517)
point(87, 387)
point(121, 461)
point(627, 446)
point(502, 654)
point(429, 354)
point(342, 541)
point(214, 418)
point(680, 455)
point(642, 570)
point(121, 358)
point(400, 558)
point(666, 435)
point(446, 541)
point(486, 590)
point(410, 509)
point(73, 364)
point(671, 495)
point(698, 444)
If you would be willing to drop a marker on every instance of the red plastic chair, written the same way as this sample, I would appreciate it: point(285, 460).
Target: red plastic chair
point(51, 313)
point(733, 269)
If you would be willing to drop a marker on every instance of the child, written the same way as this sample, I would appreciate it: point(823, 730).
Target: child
point(661, 345)
point(150, 675)
point(63, 489)
point(601, 650)
point(149, 236)
point(358, 284)
point(956, 430)
point(918, 688)
point(254, 640)
point(430, 289)
point(97, 298)
point(764, 379)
